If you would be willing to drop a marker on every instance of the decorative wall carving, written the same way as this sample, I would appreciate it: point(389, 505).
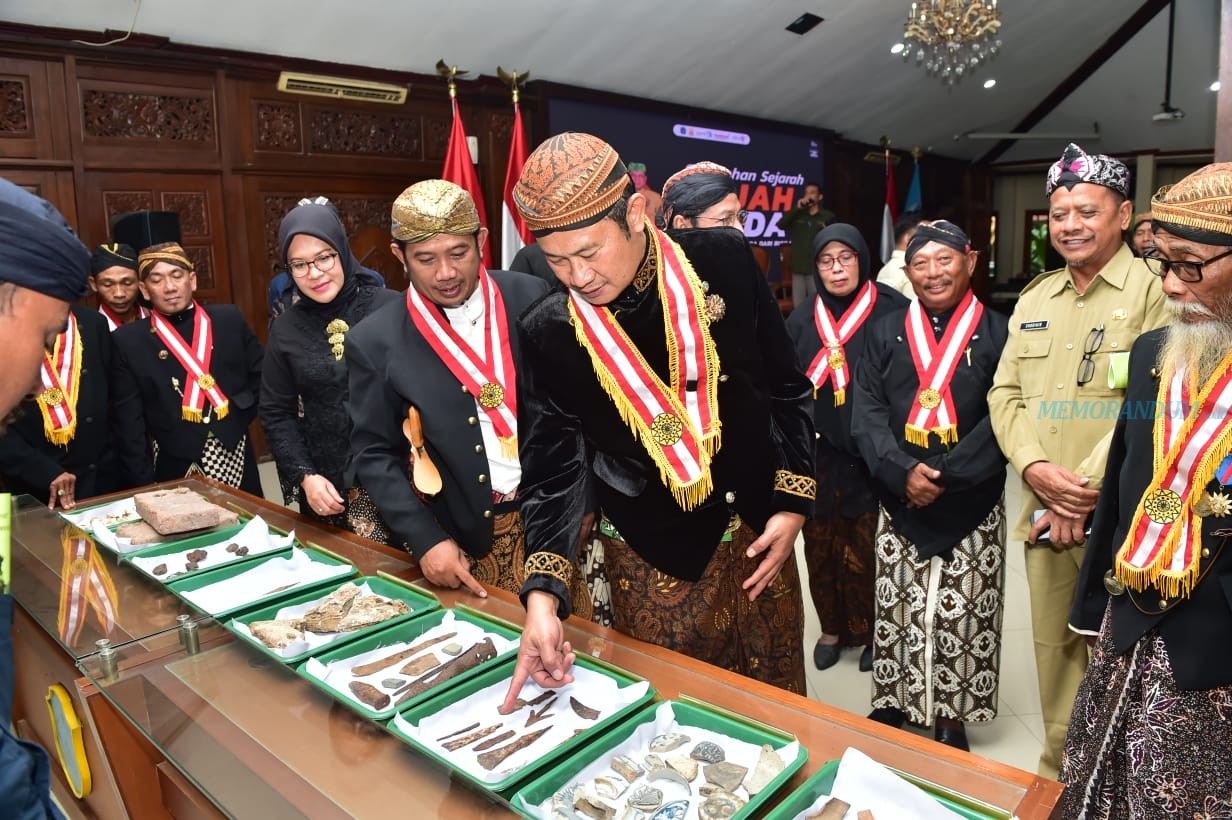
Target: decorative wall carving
point(337, 131)
point(202, 257)
point(277, 127)
point(436, 130)
point(501, 128)
point(123, 202)
point(14, 111)
point(159, 117)
point(193, 208)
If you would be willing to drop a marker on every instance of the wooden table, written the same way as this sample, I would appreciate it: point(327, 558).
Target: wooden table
point(228, 730)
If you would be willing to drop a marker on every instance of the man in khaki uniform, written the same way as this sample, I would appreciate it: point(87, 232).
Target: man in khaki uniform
point(1055, 400)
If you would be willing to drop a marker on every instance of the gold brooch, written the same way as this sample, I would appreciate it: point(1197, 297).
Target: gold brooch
point(491, 395)
point(716, 308)
point(929, 398)
point(206, 382)
point(162, 354)
point(52, 396)
point(666, 429)
point(1162, 505)
point(837, 359)
point(337, 336)
point(1215, 503)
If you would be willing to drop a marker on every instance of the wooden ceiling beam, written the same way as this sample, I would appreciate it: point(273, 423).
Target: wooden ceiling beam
point(1082, 73)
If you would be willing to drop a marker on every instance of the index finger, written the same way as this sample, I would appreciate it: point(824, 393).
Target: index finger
point(469, 581)
point(520, 673)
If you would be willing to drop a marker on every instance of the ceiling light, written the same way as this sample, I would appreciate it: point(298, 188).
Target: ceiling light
point(896, 48)
point(1215, 86)
point(989, 83)
point(952, 37)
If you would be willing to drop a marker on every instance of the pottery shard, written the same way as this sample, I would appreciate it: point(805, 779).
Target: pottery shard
point(834, 809)
point(726, 775)
point(769, 764)
point(180, 510)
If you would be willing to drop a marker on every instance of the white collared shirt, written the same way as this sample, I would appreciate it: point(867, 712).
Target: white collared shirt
point(467, 320)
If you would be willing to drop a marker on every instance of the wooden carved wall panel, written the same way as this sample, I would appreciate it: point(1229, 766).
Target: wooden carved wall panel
point(436, 142)
point(172, 118)
point(277, 126)
point(14, 107)
point(202, 257)
point(193, 209)
point(346, 131)
point(500, 126)
point(123, 202)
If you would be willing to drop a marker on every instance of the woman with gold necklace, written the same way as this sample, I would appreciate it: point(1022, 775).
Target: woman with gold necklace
point(304, 380)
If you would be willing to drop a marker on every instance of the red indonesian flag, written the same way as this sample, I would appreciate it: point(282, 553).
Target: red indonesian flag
point(514, 233)
point(889, 214)
point(461, 171)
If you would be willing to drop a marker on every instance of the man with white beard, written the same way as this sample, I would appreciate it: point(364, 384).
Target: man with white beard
point(1151, 728)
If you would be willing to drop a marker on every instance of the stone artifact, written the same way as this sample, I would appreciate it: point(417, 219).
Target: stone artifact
point(180, 510)
point(398, 657)
point(834, 809)
point(161, 569)
point(491, 759)
point(276, 634)
point(138, 532)
point(369, 695)
point(582, 710)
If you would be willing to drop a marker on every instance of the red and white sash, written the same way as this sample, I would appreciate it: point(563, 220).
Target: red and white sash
point(61, 377)
point(113, 320)
point(831, 361)
point(491, 379)
point(196, 362)
point(1164, 544)
point(84, 584)
point(678, 427)
point(935, 363)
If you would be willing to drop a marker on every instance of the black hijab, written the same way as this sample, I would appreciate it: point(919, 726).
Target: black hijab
point(321, 220)
point(849, 236)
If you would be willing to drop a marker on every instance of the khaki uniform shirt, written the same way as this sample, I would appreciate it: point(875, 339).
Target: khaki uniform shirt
point(1038, 410)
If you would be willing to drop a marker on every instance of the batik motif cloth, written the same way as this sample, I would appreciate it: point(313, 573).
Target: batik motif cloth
point(937, 638)
point(712, 619)
point(838, 552)
point(504, 566)
point(1138, 747)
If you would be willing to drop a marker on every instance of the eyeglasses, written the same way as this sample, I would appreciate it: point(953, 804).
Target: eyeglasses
point(845, 258)
point(735, 220)
point(1185, 271)
point(1086, 367)
point(324, 263)
point(175, 275)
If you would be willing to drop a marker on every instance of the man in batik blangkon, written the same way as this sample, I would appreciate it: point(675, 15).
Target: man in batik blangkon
point(921, 421)
point(1151, 730)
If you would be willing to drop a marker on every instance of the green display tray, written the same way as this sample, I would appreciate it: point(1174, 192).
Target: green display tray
point(688, 712)
point(403, 632)
point(203, 579)
point(421, 603)
point(77, 512)
point(823, 781)
point(504, 672)
point(204, 540)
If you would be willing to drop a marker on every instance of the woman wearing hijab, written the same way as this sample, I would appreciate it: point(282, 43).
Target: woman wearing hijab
point(829, 335)
point(304, 380)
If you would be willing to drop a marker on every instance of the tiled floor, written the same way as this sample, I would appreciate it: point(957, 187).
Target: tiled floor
point(1013, 738)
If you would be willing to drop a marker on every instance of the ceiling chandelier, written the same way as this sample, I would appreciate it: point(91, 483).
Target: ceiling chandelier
point(951, 38)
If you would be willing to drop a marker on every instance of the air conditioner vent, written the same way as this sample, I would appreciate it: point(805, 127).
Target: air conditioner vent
point(340, 88)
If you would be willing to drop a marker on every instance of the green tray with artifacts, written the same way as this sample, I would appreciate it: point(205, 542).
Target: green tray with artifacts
point(311, 622)
point(417, 660)
point(463, 730)
point(821, 784)
point(233, 589)
point(104, 522)
point(658, 761)
point(210, 551)
point(110, 514)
